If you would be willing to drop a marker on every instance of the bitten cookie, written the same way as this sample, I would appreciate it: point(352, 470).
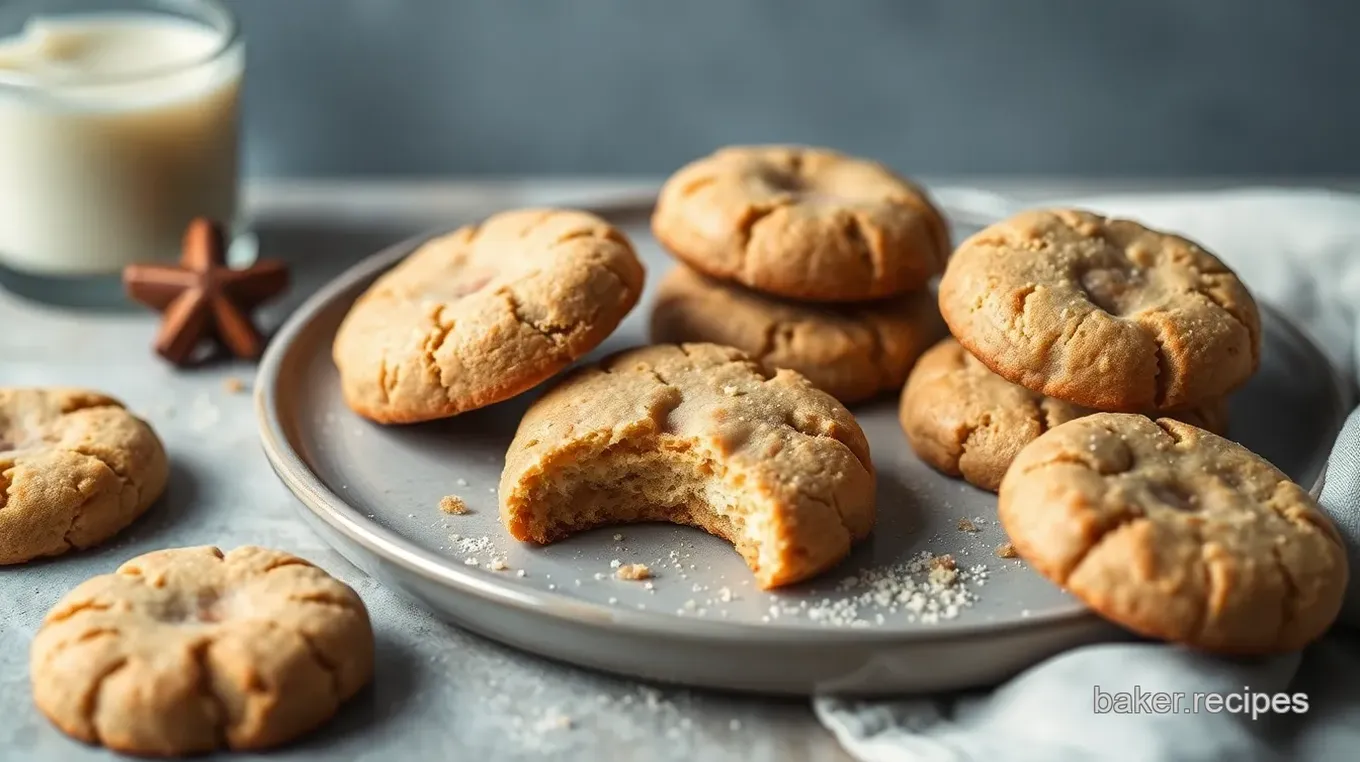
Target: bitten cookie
point(1175, 533)
point(188, 650)
point(695, 434)
point(76, 468)
point(964, 420)
point(485, 313)
point(804, 223)
point(1101, 312)
point(851, 352)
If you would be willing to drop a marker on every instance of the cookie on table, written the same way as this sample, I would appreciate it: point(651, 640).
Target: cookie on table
point(189, 650)
point(851, 352)
point(696, 434)
point(1101, 312)
point(1175, 533)
point(803, 223)
point(76, 467)
point(964, 420)
point(485, 313)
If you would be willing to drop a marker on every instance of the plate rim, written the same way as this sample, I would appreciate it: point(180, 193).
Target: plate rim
point(390, 546)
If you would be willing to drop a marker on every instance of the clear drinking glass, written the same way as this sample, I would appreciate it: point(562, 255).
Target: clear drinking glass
point(119, 123)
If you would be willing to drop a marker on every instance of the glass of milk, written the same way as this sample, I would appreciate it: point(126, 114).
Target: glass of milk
point(118, 125)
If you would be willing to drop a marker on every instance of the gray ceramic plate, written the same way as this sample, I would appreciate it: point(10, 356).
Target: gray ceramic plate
point(873, 625)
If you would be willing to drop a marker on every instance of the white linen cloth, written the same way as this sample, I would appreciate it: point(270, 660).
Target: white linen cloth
point(1300, 251)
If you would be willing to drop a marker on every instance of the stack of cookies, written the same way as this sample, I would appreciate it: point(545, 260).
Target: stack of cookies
point(1139, 511)
point(1057, 315)
point(805, 259)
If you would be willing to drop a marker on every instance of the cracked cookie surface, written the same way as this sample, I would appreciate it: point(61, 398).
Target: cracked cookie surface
point(1175, 533)
point(852, 352)
point(75, 469)
point(188, 650)
point(804, 223)
point(964, 420)
point(1101, 312)
point(485, 313)
point(695, 434)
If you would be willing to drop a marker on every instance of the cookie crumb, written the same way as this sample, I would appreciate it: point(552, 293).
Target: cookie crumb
point(966, 525)
point(498, 564)
point(233, 385)
point(633, 572)
point(618, 538)
point(943, 571)
point(1006, 550)
point(452, 505)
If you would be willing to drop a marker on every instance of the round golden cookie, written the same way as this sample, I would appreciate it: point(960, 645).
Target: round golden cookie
point(964, 420)
point(851, 352)
point(696, 434)
point(189, 650)
point(1175, 533)
point(1101, 312)
point(803, 223)
point(76, 468)
point(485, 313)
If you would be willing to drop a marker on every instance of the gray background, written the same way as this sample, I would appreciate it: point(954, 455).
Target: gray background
point(1053, 87)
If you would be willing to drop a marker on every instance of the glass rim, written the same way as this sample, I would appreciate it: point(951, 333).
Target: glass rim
point(220, 18)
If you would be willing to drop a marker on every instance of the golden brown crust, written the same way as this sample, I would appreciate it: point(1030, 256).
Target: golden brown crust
point(964, 420)
point(852, 352)
point(1175, 533)
point(75, 469)
point(188, 650)
point(485, 313)
point(1101, 312)
point(804, 223)
point(697, 434)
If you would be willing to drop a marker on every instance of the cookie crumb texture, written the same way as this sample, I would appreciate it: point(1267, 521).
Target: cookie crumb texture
point(485, 313)
point(695, 434)
point(188, 650)
point(1100, 312)
point(1176, 534)
point(805, 223)
point(852, 352)
point(964, 420)
point(452, 505)
point(75, 467)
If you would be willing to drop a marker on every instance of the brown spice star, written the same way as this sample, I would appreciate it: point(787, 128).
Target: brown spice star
point(203, 298)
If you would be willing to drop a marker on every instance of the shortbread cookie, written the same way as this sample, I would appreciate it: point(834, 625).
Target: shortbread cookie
point(1175, 533)
point(1101, 312)
point(485, 313)
point(851, 352)
point(76, 468)
point(965, 420)
point(804, 223)
point(188, 650)
point(696, 434)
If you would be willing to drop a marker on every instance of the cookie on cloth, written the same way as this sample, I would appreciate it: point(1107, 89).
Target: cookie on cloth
point(803, 223)
point(696, 434)
point(1101, 312)
point(964, 420)
point(76, 468)
point(485, 313)
point(189, 650)
point(1175, 533)
point(852, 352)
